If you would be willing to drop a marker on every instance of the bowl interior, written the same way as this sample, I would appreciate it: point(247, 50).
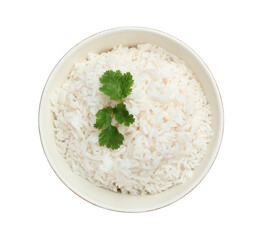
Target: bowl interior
point(105, 41)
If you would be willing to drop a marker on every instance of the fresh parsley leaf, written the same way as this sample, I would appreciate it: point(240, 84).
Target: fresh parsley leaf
point(122, 115)
point(103, 118)
point(116, 85)
point(111, 138)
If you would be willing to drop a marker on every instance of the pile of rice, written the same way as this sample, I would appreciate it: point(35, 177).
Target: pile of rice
point(172, 125)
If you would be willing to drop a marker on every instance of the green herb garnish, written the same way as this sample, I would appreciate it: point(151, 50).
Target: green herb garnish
point(103, 118)
point(122, 115)
point(117, 86)
point(111, 137)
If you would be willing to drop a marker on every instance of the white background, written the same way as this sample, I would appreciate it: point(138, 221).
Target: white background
point(35, 204)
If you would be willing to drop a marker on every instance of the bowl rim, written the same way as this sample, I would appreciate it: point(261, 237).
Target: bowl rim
point(164, 34)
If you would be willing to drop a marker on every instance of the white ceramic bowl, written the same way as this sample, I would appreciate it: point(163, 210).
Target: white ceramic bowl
point(103, 41)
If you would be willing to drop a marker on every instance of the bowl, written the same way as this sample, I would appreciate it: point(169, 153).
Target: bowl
point(103, 41)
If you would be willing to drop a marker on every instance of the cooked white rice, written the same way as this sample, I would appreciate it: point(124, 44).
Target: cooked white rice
point(172, 125)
